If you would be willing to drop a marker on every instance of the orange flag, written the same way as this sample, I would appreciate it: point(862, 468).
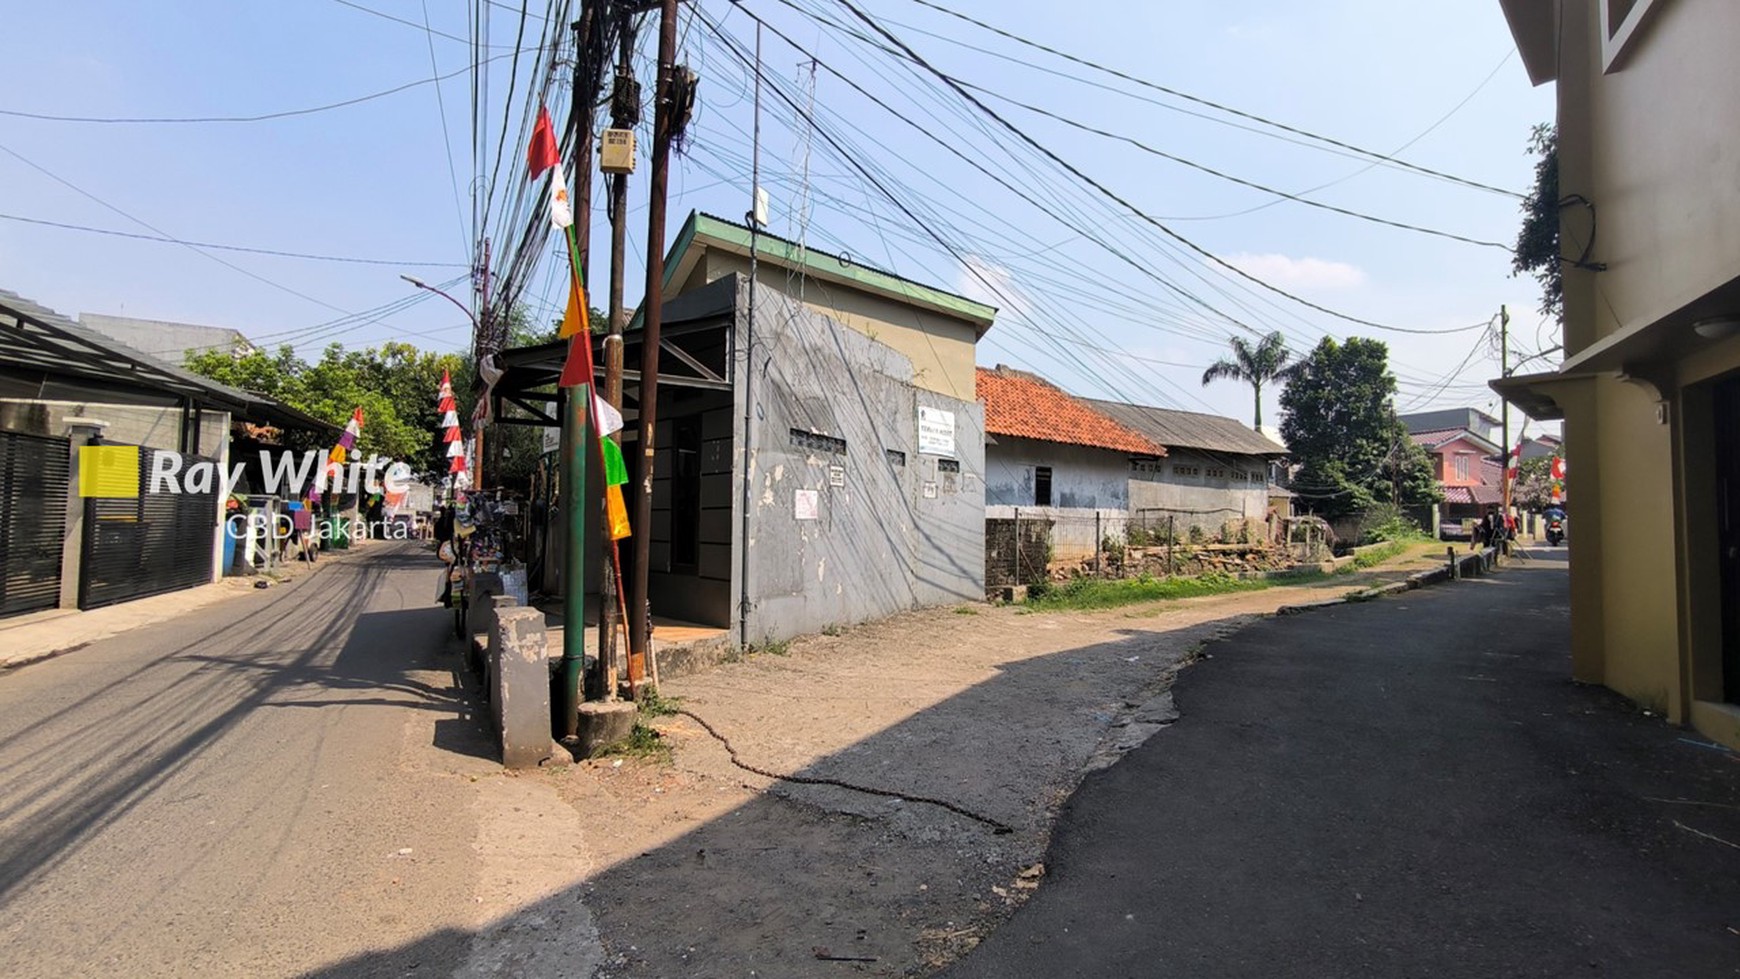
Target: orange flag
point(575, 320)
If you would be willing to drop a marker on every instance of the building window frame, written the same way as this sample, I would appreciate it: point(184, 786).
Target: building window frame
point(1620, 28)
point(1041, 485)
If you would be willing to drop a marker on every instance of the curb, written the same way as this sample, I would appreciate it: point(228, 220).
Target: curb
point(1419, 579)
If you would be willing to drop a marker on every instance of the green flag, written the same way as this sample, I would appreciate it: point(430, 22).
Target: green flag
point(615, 470)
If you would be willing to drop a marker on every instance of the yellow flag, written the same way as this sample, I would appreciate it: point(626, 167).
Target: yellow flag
point(574, 320)
point(615, 512)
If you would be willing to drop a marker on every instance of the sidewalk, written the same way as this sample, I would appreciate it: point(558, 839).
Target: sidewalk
point(35, 636)
point(1377, 790)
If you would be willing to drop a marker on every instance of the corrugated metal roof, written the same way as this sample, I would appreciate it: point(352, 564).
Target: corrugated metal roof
point(1023, 405)
point(1190, 429)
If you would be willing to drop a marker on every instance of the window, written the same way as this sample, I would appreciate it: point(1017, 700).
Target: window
point(817, 442)
point(950, 466)
point(895, 457)
point(1041, 485)
point(1179, 470)
point(1144, 469)
point(1462, 465)
point(1621, 22)
point(1216, 473)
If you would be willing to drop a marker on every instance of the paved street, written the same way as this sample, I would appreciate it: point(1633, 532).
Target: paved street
point(185, 799)
point(1410, 787)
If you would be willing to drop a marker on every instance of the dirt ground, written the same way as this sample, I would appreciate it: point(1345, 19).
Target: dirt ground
point(702, 868)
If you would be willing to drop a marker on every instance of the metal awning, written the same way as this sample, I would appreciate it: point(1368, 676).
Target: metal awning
point(34, 338)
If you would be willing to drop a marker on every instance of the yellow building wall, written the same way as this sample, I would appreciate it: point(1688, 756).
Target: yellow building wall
point(940, 347)
point(1639, 604)
point(1654, 145)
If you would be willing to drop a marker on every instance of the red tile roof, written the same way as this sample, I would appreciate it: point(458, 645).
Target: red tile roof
point(1022, 405)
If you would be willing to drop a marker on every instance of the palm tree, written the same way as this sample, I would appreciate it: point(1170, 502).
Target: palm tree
point(1256, 365)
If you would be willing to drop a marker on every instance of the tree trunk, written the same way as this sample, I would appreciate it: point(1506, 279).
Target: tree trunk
point(1258, 389)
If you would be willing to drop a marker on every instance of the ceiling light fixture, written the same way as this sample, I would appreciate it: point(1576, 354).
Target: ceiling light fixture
point(1717, 327)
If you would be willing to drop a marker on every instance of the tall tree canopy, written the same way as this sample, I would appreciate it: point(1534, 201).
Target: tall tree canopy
point(1340, 427)
point(1255, 364)
point(1537, 242)
point(394, 385)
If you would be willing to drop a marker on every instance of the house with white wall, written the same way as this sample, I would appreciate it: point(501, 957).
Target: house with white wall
point(1051, 456)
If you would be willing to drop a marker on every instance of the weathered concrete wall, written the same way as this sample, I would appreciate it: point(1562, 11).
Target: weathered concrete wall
point(940, 348)
point(1081, 477)
point(1074, 530)
point(147, 425)
point(1204, 489)
point(887, 528)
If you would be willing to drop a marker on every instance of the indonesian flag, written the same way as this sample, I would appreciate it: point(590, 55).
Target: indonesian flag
point(451, 435)
point(1558, 468)
point(456, 450)
point(542, 154)
point(450, 420)
point(457, 465)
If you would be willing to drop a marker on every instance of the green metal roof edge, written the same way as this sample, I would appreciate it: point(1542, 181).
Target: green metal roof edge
point(781, 250)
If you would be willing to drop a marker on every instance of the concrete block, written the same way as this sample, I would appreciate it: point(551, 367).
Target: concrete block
point(521, 696)
point(488, 656)
point(604, 723)
point(1014, 593)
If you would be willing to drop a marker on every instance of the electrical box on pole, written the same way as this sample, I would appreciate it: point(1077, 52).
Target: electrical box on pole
point(617, 151)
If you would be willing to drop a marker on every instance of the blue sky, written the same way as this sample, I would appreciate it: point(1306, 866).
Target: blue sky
point(373, 180)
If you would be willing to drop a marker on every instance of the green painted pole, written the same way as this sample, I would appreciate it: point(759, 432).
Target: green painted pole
point(576, 437)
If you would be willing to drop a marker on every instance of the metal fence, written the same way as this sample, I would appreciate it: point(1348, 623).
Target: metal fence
point(1051, 546)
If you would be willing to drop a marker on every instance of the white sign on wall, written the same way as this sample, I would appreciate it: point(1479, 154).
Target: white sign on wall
point(936, 431)
point(807, 505)
point(552, 440)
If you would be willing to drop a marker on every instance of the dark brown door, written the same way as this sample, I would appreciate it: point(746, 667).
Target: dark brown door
point(1728, 522)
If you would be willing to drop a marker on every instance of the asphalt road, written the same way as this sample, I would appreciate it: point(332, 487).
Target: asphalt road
point(243, 790)
point(1409, 787)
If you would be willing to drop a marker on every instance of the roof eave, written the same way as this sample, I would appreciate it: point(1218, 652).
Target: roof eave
point(1534, 25)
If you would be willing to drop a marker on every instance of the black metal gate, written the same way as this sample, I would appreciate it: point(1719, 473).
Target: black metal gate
point(33, 486)
point(157, 542)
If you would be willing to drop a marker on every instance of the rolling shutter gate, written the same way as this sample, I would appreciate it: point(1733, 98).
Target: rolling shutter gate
point(33, 487)
point(157, 543)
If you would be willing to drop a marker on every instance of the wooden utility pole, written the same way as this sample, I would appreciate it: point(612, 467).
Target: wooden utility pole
point(624, 114)
point(1504, 410)
point(652, 308)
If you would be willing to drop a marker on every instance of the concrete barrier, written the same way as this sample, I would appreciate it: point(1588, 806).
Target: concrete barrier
point(520, 696)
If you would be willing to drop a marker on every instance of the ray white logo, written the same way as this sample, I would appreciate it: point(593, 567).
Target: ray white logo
point(113, 472)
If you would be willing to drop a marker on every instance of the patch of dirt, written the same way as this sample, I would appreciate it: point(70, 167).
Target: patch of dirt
point(701, 868)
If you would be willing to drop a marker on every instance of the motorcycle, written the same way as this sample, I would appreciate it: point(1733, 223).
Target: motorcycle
point(1555, 531)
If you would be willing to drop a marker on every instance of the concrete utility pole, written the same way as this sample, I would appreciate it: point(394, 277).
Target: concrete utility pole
point(1504, 410)
point(743, 603)
point(624, 114)
point(652, 307)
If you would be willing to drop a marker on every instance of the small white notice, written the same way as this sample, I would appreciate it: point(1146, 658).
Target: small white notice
point(930, 491)
point(807, 505)
point(836, 475)
point(936, 431)
point(552, 440)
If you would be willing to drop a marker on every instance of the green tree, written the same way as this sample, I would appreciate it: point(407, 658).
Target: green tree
point(1255, 364)
point(1340, 427)
point(1537, 242)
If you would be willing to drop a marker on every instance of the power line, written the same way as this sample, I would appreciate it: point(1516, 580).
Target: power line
point(229, 248)
point(441, 103)
point(1240, 113)
point(1108, 192)
point(1144, 147)
point(262, 117)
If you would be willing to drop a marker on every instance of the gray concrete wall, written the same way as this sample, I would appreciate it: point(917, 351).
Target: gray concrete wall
point(1074, 530)
point(898, 531)
point(1199, 488)
point(1081, 477)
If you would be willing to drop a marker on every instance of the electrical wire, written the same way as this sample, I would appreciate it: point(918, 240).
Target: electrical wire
point(261, 117)
point(228, 248)
point(1219, 107)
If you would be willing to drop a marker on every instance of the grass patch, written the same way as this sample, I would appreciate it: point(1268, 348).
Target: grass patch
point(1095, 593)
point(833, 630)
point(653, 705)
point(1377, 555)
point(777, 647)
point(966, 610)
point(643, 743)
